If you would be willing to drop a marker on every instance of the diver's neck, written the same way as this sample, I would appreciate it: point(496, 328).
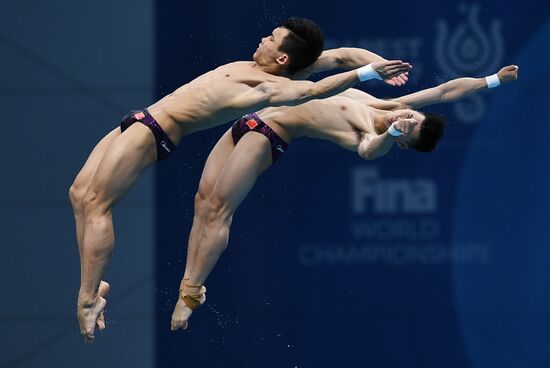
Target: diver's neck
point(379, 120)
point(273, 69)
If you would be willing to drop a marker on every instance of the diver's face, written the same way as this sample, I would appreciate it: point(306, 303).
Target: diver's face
point(268, 49)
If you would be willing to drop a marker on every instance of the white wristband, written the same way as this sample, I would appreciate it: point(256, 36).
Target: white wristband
point(394, 132)
point(367, 72)
point(492, 81)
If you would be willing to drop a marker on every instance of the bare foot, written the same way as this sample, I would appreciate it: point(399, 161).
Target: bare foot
point(90, 313)
point(182, 312)
point(180, 316)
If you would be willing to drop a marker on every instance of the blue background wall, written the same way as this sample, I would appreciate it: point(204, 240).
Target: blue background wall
point(425, 260)
point(66, 78)
point(413, 260)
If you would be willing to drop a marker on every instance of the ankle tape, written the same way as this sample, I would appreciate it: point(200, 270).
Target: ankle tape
point(192, 298)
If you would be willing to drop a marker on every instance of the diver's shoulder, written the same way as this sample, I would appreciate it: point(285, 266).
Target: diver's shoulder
point(241, 63)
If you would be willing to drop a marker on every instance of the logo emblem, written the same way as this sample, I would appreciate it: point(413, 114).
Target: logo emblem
point(139, 115)
point(251, 123)
point(165, 146)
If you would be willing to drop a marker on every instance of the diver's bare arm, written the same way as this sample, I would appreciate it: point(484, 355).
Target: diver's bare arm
point(453, 90)
point(374, 146)
point(283, 91)
point(446, 92)
point(289, 92)
point(340, 58)
point(348, 58)
point(297, 92)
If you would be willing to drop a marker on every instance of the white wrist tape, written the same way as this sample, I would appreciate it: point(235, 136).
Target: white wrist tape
point(394, 132)
point(367, 72)
point(492, 81)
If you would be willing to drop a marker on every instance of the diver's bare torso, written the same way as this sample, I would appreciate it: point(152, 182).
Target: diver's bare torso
point(341, 119)
point(209, 99)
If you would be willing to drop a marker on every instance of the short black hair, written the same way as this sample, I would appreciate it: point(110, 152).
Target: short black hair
point(303, 44)
point(431, 131)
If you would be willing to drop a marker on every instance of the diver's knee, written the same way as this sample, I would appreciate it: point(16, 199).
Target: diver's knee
point(76, 196)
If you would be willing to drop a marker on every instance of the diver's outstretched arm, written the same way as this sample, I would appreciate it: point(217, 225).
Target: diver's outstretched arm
point(455, 89)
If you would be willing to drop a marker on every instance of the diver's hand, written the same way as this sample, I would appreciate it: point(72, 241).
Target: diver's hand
point(508, 74)
point(388, 69)
point(399, 80)
point(404, 126)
